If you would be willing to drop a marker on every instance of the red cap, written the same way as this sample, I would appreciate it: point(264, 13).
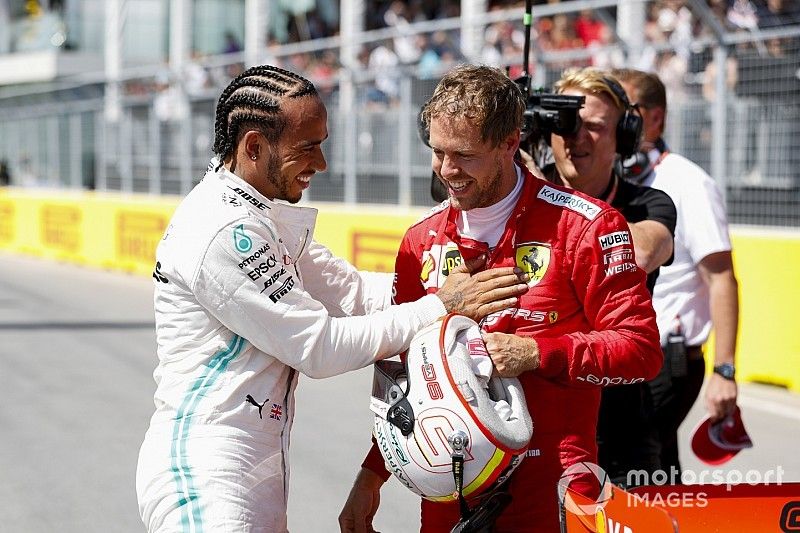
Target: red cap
point(717, 442)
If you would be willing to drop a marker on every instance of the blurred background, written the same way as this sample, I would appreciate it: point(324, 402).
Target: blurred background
point(119, 95)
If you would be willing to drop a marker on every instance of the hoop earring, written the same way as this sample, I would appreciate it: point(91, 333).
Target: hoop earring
point(254, 157)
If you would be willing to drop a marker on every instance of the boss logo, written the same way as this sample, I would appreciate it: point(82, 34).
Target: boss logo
point(250, 198)
point(272, 279)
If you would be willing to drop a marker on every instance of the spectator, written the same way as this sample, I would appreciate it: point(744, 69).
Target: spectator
point(588, 29)
point(383, 63)
point(405, 44)
point(196, 77)
point(231, 44)
point(606, 54)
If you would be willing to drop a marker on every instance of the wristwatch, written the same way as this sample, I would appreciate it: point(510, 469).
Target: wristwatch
point(726, 370)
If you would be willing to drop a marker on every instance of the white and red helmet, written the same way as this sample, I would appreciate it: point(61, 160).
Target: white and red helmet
point(442, 403)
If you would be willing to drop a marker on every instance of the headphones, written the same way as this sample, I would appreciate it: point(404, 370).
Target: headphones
point(638, 166)
point(629, 127)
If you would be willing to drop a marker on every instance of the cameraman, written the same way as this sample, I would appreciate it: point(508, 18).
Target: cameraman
point(699, 290)
point(610, 126)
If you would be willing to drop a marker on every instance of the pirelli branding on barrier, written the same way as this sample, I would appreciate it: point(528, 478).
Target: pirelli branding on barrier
point(374, 250)
point(138, 234)
point(61, 227)
point(7, 231)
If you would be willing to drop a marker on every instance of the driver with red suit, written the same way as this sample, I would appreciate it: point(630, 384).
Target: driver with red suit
point(585, 322)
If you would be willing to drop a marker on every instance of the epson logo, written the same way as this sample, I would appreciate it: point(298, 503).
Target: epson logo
point(618, 238)
point(263, 268)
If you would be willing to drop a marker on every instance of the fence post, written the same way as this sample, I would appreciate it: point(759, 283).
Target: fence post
point(352, 25)
point(154, 125)
point(255, 31)
point(630, 21)
point(180, 19)
point(404, 143)
point(472, 28)
point(718, 121)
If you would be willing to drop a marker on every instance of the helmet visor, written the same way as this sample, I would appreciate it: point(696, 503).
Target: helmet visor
point(389, 386)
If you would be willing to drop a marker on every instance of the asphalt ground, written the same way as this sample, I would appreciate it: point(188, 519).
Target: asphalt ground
point(77, 352)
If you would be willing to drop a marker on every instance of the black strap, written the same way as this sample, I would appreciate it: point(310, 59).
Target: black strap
point(458, 476)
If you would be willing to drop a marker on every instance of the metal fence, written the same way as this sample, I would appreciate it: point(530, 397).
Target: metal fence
point(742, 127)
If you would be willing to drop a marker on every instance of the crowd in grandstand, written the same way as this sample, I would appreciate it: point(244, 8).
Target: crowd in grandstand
point(671, 33)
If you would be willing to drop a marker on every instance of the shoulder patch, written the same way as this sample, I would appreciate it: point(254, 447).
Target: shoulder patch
point(570, 201)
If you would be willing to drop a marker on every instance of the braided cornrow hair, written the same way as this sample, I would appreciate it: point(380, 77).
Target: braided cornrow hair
point(253, 101)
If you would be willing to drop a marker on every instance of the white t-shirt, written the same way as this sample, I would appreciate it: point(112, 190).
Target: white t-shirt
point(701, 230)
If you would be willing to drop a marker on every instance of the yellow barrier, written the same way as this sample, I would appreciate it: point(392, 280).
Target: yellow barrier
point(121, 232)
point(769, 291)
point(94, 229)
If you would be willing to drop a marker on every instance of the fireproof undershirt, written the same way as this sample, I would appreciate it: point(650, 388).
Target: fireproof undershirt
point(486, 224)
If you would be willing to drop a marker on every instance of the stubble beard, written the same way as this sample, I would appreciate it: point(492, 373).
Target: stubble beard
point(488, 195)
point(278, 181)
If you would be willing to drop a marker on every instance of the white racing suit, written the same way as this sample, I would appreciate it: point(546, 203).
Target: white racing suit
point(244, 299)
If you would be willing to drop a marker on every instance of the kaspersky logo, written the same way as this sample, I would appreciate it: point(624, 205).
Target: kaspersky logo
point(533, 258)
point(242, 242)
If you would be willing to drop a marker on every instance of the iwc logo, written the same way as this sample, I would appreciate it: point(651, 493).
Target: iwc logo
point(533, 258)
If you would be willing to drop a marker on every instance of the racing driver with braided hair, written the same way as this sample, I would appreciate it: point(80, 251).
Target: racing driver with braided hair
point(245, 300)
point(586, 321)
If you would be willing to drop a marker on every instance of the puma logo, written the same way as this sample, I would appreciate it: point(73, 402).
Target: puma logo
point(250, 399)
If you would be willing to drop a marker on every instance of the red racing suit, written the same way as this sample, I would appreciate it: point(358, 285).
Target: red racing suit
point(588, 309)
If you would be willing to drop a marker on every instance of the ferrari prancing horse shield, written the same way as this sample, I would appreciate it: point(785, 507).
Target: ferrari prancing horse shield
point(533, 258)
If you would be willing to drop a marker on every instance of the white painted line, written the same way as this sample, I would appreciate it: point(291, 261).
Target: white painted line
point(769, 406)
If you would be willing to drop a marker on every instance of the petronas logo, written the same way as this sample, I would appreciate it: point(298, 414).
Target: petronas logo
point(242, 242)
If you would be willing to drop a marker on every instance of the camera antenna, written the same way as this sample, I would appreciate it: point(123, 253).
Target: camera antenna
point(526, 52)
